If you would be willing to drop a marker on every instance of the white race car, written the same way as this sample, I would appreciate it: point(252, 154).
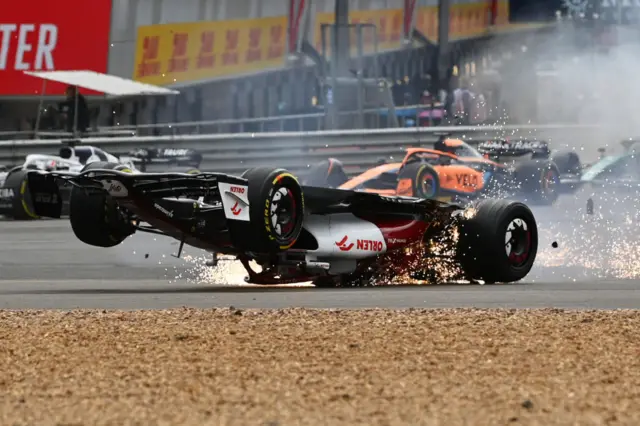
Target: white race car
point(15, 200)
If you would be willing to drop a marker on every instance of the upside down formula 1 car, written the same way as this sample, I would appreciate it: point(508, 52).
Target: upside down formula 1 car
point(16, 201)
point(294, 233)
point(453, 171)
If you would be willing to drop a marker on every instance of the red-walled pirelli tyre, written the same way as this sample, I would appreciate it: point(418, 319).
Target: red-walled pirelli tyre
point(418, 180)
point(498, 241)
point(95, 217)
point(276, 209)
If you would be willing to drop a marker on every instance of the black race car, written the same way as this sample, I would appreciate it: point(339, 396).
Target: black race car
point(503, 150)
point(296, 234)
point(182, 160)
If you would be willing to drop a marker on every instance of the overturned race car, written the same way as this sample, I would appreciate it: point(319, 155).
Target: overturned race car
point(295, 233)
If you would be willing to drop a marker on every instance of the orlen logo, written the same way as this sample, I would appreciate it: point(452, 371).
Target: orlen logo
point(364, 245)
point(236, 209)
point(369, 245)
point(238, 189)
point(342, 244)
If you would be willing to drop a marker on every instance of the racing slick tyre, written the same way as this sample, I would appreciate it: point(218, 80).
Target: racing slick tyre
point(498, 243)
point(539, 181)
point(568, 162)
point(15, 186)
point(418, 180)
point(95, 217)
point(276, 209)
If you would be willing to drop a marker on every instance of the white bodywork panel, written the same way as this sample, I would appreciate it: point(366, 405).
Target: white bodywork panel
point(344, 235)
point(235, 201)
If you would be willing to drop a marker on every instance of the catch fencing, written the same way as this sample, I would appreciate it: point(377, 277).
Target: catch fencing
point(357, 149)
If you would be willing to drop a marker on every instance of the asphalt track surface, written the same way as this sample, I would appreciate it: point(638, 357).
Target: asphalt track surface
point(43, 266)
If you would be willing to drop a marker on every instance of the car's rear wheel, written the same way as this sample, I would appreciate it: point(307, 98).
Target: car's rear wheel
point(276, 209)
point(498, 241)
point(418, 180)
point(96, 219)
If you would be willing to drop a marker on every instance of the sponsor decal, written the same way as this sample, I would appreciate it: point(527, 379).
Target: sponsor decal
point(516, 145)
point(236, 202)
point(360, 244)
point(44, 36)
point(6, 193)
point(343, 244)
point(467, 180)
point(369, 245)
point(397, 240)
point(236, 209)
point(170, 152)
point(170, 53)
point(115, 188)
point(163, 210)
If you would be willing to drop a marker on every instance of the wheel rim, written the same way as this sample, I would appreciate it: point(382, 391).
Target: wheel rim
point(283, 213)
point(518, 242)
point(428, 186)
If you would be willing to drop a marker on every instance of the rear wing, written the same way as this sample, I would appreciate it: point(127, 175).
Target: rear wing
point(514, 148)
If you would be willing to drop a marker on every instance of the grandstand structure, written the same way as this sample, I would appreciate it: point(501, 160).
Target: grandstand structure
point(282, 64)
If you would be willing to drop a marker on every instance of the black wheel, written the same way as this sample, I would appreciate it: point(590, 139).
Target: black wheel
point(539, 181)
point(568, 162)
point(96, 219)
point(498, 242)
point(276, 209)
point(22, 205)
point(418, 180)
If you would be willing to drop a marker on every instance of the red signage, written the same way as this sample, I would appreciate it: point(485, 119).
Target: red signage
point(44, 36)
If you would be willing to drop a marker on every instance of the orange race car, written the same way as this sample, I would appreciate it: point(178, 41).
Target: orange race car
point(453, 171)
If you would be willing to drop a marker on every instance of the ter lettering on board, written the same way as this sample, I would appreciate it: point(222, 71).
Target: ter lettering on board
point(46, 37)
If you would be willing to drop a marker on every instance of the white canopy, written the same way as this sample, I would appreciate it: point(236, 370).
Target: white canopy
point(108, 84)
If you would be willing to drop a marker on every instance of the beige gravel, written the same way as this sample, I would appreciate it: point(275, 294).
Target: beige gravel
point(306, 367)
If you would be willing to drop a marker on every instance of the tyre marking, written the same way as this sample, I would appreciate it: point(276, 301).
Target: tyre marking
point(23, 189)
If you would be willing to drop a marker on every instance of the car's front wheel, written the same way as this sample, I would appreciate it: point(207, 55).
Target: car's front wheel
point(276, 209)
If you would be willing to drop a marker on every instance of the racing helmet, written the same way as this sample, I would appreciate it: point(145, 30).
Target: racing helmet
point(447, 144)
